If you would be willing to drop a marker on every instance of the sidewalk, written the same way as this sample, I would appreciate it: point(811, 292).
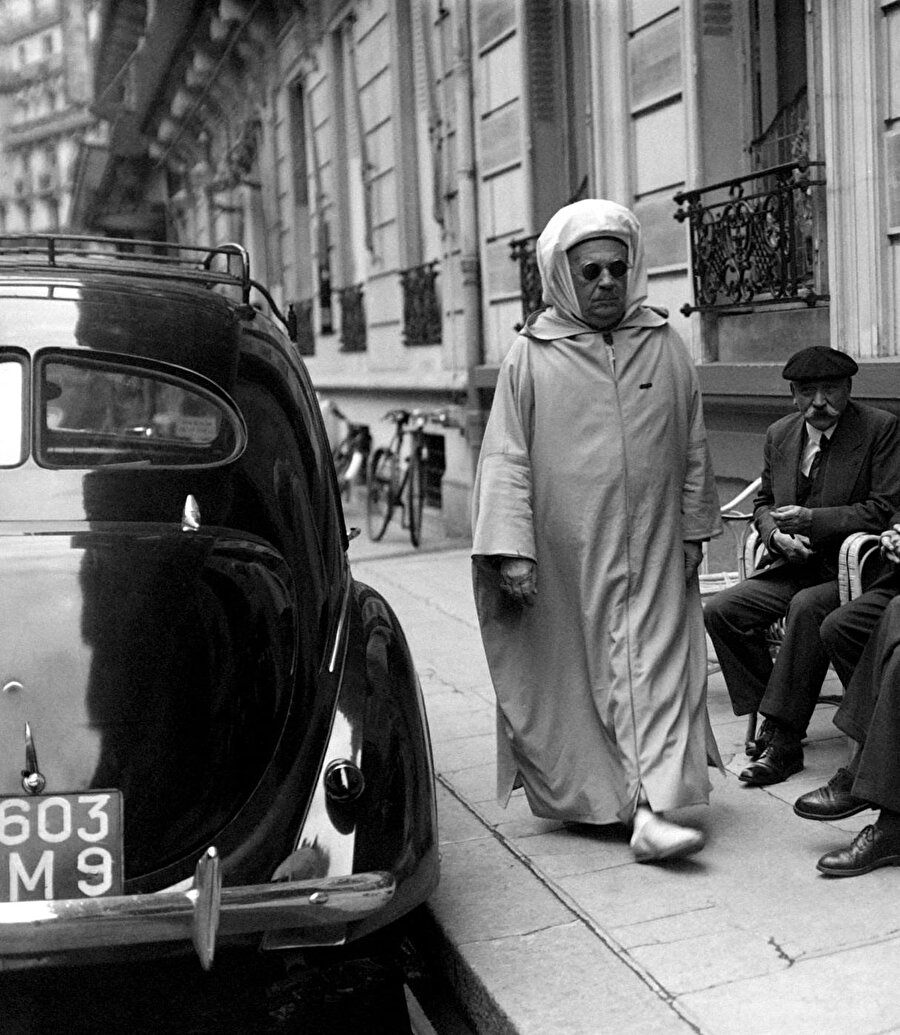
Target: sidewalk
point(547, 930)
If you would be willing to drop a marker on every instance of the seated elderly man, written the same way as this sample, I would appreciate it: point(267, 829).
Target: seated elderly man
point(870, 715)
point(831, 469)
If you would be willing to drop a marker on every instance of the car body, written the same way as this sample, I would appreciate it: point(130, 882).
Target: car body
point(210, 732)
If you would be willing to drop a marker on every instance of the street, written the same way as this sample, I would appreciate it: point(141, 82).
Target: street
point(244, 994)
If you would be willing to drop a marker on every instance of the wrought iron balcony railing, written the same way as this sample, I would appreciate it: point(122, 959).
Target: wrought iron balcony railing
point(523, 252)
point(353, 318)
point(421, 305)
point(754, 239)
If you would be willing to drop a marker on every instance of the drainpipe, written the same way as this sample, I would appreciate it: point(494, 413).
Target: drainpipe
point(468, 229)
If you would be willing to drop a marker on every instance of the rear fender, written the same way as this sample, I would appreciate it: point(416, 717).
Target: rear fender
point(379, 730)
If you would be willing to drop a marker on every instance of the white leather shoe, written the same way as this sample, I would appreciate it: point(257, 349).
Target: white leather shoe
point(655, 838)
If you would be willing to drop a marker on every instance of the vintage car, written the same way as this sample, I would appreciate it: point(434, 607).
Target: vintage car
point(210, 733)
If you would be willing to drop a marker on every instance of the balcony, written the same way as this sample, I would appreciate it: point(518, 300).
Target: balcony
point(353, 318)
point(421, 305)
point(522, 252)
point(758, 240)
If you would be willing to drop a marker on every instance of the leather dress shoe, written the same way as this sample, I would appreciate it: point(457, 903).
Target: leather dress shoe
point(872, 847)
point(833, 801)
point(776, 763)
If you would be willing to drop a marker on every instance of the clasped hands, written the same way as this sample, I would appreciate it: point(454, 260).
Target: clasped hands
point(791, 537)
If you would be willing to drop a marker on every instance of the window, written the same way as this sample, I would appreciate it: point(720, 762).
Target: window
point(47, 44)
point(12, 381)
point(93, 413)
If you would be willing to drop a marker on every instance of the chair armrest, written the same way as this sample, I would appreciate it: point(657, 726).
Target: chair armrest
point(752, 550)
point(859, 563)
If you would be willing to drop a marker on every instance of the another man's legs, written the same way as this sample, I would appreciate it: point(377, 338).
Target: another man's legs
point(736, 620)
point(847, 635)
point(794, 685)
point(878, 773)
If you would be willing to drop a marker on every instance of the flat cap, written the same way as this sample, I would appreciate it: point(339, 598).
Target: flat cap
point(818, 361)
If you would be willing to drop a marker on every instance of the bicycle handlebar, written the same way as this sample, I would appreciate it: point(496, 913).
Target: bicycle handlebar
point(403, 417)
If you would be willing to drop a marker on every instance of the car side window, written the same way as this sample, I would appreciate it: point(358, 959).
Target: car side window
point(94, 412)
point(12, 407)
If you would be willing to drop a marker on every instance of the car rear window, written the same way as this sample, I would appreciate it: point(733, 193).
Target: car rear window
point(93, 413)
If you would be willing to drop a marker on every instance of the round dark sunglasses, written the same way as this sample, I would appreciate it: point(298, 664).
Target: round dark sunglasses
point(617, 269)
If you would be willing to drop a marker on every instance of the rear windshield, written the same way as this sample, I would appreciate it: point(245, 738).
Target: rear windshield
point(92, 413)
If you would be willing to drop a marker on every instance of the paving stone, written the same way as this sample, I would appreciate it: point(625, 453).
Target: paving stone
point(564, 981)
point(709, 960)
point(463, 752)
point(485, 894)
point(851, 991)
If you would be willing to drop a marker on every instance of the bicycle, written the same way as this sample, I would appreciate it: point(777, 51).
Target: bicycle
point(351, 454)
point(386, 488)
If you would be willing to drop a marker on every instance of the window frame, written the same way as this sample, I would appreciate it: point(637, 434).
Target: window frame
point(170, 374)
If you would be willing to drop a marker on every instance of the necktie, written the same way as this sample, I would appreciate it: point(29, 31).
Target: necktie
point(818, 460)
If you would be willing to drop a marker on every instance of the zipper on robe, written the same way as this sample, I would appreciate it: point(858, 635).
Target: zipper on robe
point(611, 352)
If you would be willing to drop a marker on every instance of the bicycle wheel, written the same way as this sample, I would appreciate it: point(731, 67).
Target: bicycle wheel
point(416, 495)
point(380, 492)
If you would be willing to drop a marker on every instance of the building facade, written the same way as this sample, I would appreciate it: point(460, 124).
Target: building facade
point(389, 163)
point(45, 93)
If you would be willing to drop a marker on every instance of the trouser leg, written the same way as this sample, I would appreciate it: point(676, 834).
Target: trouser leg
point(878, 775)
point(801, 664)
point(846, 631)
point(736, 620)
point(855, 712)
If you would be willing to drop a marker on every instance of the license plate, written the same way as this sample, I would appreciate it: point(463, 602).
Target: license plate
point(55, 846)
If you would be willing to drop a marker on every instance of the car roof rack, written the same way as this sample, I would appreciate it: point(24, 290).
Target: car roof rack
point(227, 264)
point(224, 264)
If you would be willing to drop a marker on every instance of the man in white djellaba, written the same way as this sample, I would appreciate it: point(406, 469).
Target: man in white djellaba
point(594, 495)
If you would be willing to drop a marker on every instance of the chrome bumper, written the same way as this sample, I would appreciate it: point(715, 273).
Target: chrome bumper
point(199, 914)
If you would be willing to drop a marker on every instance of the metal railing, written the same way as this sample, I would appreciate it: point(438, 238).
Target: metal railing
point(522, 251)
point(353, 318)
point(421, 305)
point(755, 239)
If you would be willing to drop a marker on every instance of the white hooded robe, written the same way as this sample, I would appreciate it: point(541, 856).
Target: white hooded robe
point(595, 465)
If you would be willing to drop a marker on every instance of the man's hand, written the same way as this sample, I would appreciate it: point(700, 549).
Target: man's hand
point(518, 578)
point(693, 555)
point(795, 548)
point(890, 544)
point(792, 520)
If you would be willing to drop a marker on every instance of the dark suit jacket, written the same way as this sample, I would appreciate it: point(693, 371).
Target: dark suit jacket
point(861, 488)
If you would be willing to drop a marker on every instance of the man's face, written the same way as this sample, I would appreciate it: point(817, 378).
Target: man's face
point(821, 401)
point(600, 289)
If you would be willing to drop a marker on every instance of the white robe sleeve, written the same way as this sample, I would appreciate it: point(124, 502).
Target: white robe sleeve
point(502, 500)
point(700, 503)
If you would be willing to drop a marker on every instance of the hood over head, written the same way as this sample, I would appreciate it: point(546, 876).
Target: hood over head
point(572, 224)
